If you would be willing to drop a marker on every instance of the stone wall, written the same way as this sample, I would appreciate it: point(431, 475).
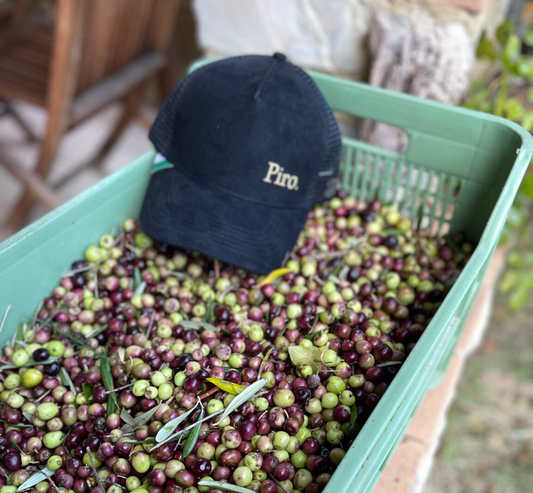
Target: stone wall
point(327, 35)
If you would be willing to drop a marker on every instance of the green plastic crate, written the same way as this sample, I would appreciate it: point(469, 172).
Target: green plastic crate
point(461, 171)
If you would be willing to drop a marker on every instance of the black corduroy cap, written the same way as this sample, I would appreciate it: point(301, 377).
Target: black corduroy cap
point(250, 145)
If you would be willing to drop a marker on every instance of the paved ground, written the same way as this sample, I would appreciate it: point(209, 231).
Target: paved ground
point(78, 146)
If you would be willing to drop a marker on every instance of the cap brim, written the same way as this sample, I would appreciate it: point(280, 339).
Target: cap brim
point(182, 212)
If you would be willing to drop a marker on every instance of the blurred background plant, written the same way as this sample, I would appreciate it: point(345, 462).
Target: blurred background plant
point(505, 89)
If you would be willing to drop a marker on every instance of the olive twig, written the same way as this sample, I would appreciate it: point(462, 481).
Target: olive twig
point(120, 388)
point(98, 480)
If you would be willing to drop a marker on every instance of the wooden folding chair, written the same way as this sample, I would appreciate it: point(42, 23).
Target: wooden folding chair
point(92, 53)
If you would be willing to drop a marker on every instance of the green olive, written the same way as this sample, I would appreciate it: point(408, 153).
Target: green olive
point(335, 385)
point(142, 240)
point(347, 398)
point(260, 403)
point(282, 455)
point(140, 387)
point(47, 411)
point(53, 439)
point(336, 455)
point(253, 461)
point(9, 489)
point(283, 398)
point(206, 451)
point(12, 381)
point(214, 406)
point(94, 253)
point(281, 440)
point(294, 445)
point(298, 459)
point(14, 400)
point(294, 311)
point(31, 378)
point(179, 379)
point(20, 357)
point(356, 381)
point(56, 348)
point(164, 331)
point(256, 333)
point(54, 462)
point(237, 360)
point(302, 479)
point(334, 436)
point(313, 406)
point(41, 487)
point(165, 391)
point(303, 434)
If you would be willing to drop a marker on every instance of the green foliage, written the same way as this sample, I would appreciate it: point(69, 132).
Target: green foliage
point(509, 93)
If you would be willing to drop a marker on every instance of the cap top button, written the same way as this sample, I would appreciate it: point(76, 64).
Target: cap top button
point(280, 56)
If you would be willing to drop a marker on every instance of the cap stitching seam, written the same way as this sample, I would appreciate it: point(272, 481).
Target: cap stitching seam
point(265, 78)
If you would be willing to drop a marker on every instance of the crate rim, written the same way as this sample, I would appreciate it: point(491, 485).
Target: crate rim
point(368, 459)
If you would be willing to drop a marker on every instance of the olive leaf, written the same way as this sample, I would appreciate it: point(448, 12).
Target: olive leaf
point(192, 438)
point(353, 414)
point(36, 478)
point(247, 394)
point(210, 310)
point(389, 363)
point(486, 48)
point(171, 426)
point(179, 275)
point(67, 381)
point(273, 275)
point(312, 334)
point(14, 445)
point(220, 485)
point(147, 441)
point(229, 387)
point(185, 432)
point(126, 417)
point(191, 324)
point(19, 333)
point(140, 288)
point(229, 289)
point(97, 331)
point(343, 273)
point(107, 379)
point(137, 279)
point(334, 279)
point(301, 356)
point(87, 391)
point(121, 353)
point(140, 420)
